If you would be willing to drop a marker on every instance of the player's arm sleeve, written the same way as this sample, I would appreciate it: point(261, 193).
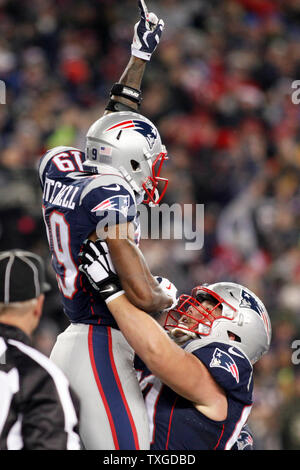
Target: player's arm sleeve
point(109, 206)
point(50, 416)
point(229, 367)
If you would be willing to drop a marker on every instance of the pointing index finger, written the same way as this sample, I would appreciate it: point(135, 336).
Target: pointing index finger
point(143, 8)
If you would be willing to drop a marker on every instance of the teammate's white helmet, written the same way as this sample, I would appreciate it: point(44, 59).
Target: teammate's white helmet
point(240, 312)
point(130, 143)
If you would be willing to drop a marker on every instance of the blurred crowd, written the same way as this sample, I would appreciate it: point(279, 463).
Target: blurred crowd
point(219, 88)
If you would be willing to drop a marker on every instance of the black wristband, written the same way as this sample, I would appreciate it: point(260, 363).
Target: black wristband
point(128, 92)
point(110, 288)
point(116, 106)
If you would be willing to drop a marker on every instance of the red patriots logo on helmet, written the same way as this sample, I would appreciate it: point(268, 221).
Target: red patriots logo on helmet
point(142, 127)
point(248, 301)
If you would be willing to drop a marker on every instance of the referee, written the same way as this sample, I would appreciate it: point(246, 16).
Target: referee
point(38, 411)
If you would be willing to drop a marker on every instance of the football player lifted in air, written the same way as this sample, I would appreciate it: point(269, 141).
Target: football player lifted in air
point(98, 191)
point(196, 371)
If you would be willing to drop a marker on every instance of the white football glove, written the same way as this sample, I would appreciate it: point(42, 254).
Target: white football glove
point(96, 264)
point(170, 289)
point(147, 33)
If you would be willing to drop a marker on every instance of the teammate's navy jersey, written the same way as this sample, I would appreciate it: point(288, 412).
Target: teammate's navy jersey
point(74, 202)
point(176, 424)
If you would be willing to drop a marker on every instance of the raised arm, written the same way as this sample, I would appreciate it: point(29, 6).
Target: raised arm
point(140, 286)
point(126, 93)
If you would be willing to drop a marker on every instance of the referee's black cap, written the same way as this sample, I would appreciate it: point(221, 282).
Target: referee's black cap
point(22, 276)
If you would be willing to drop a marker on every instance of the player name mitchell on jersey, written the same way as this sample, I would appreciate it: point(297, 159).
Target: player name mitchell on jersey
point(59, 194)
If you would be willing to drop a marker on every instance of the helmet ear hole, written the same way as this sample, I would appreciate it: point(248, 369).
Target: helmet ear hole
point(135, 165)
point(236, 337)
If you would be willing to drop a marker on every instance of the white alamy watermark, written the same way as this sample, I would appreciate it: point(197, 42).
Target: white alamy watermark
point(176, 222)
point(296, 93)
point(2, 92)
point(296, 354)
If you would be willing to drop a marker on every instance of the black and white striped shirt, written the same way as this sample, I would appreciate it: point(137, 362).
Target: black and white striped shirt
point(38, 410)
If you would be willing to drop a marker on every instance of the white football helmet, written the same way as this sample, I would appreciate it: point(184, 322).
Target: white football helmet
point(131, 144)
point(239, 312)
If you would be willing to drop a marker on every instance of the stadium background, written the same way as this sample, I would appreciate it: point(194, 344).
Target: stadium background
point(219, 90)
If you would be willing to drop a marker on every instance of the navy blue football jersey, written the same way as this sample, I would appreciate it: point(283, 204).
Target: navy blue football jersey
point(74, 203)
point(176, 424)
